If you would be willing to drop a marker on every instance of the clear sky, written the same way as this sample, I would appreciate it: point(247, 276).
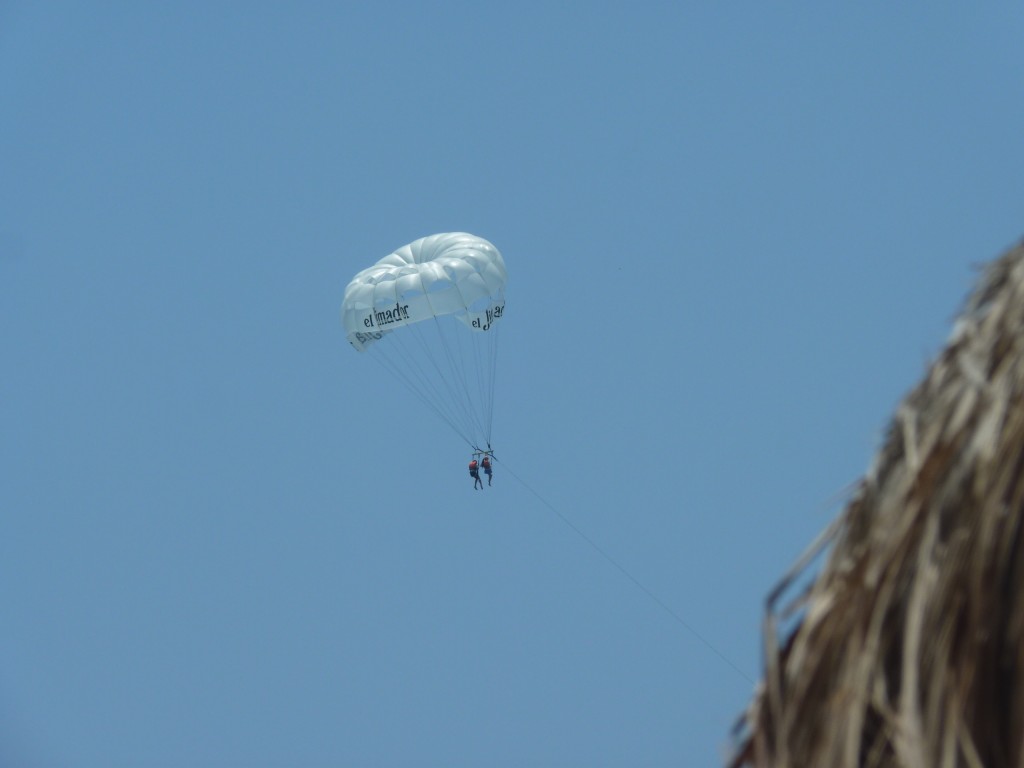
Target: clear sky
point(735, 232)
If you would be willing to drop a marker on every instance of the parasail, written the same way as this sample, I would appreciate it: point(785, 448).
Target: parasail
point(429, 314)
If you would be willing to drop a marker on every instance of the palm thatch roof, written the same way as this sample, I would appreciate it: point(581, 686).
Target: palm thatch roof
point(908, 647)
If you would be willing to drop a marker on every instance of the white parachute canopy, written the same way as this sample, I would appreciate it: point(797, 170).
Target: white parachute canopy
point(429, 314)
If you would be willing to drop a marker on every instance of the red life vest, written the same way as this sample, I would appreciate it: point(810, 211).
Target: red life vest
point(472, 466)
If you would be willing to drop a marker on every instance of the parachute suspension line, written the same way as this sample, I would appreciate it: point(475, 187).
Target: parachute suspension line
point(420, 385)
point(493, 364)
point(664, 606)
point(423, 385)
point(479, 345)
point(413, 371)
point(457, 369)
point(459, 365)
point(389, 366)
point(475, 377)
point(466, 343)
point(483, 351)
point(439, 374)
point(455, 405)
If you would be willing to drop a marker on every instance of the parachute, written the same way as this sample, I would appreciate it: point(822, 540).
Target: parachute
point(429, 314)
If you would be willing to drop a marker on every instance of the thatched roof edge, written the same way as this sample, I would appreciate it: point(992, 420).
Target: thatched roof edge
point(909, 644)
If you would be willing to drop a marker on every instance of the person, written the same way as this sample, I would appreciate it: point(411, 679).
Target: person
point(474, 472)
point(486, 464)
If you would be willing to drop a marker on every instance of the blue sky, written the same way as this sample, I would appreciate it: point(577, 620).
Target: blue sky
point(735, 233)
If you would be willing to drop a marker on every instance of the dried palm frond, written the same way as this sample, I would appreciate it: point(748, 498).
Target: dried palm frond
point(909, 646)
